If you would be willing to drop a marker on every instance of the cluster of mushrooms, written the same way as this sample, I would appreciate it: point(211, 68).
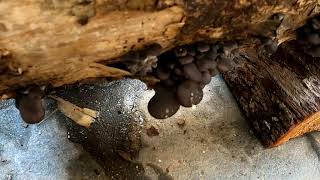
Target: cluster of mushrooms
point(309, 36)
point(183, 73)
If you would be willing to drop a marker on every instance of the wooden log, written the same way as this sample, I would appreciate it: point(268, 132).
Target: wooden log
point(62, 42)
point(280, 95)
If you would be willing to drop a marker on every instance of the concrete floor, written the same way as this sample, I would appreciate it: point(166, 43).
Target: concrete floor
point(210, 141)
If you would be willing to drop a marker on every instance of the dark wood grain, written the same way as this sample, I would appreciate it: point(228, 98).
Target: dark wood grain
point(277, 94)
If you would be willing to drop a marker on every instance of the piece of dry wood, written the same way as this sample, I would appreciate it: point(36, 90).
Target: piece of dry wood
point(48, 46)
point(279, 95)
point(82, 116)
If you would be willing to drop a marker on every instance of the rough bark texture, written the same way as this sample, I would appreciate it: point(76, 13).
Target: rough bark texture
point(280, 95)
point(59, 42)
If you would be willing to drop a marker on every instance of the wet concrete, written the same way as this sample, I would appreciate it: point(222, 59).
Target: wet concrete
point(210, 141)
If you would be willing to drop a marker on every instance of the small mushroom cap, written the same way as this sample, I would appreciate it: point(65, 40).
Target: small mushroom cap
point(189, 93)
point(229, 46)
point(314, 51)
point(180, 51)
point(214, 72)
point(163, 104)
point(203, 47)
point(205, 64)
point(192, 72)
point(224, 65)
point(30, 105)
point(31, 109)
point(315, 23)
point(313, 38)
point(170, 64)
point(186, 60)
point(178, 71)
point(162, 73)
point(212, 55)
point(215, 48)
point(206, 77)
point(191, 51)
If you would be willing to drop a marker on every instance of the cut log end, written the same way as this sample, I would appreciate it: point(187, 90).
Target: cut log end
point(309, 124)
point(279, 95)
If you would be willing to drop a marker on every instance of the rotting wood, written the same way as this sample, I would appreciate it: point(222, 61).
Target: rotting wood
point(280, 95)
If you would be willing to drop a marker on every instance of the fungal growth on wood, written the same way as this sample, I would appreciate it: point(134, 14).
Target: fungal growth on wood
point(30, 104)
point(183, 73)
point(309, 36)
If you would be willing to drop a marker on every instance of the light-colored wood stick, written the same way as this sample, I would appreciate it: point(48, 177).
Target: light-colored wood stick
point(82, 116)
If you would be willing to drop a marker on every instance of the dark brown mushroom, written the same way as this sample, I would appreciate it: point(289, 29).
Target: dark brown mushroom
point(212, 54)
point(315, 22)
point(224, 65)
point(192, 72)
point(205, 64)
point(30, 105)
point(229, 46)
point(313, 38)
point(162, 73)
point(180, 51)
point(215, 48)
point(191, 51)
point(163, 104)
point(314, 51)
point(203, 47)
point(178, 71)
point(214, 72)
point(168, 82)
point(186, 60)
point(206, 77)
point(170, 64)
point(189, 93)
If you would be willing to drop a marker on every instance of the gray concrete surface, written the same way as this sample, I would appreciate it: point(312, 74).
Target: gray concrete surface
point(209, 141)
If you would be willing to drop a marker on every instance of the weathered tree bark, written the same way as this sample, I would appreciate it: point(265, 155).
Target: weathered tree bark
point(61, 42)
point(279, 95)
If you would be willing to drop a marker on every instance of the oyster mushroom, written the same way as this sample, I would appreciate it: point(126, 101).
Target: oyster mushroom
point(203, 47)
point(163, 104)
point(186, 60)
point(180, 51)
point(192, 72)
point(30, 105)
point(205, 64)
point(206, 77)
point(189, 93)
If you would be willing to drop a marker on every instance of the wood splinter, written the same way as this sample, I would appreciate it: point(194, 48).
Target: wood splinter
point(82, 116)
